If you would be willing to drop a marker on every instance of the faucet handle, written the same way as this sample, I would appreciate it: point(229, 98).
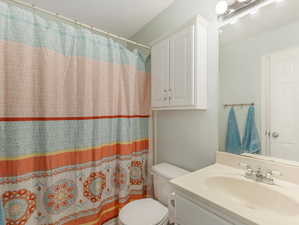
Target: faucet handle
point(269, 176)
point(243, 165)
point(274, 173)
point(259, 170)
point(249, 171)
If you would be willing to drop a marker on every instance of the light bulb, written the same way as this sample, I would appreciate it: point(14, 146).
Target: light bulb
point(254, 12)
point(234, 21)
point(221, 7)
point(231, 2)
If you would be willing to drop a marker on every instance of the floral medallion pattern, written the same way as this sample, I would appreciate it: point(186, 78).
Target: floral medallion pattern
point(19, 206)
point(119, 179)
point(60, 196)
point(136, 173)
point(94, 186)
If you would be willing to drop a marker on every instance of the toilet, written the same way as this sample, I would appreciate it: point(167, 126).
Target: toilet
point(150, 211)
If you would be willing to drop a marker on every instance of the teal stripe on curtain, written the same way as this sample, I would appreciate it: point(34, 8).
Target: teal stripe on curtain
point(31, 29)
point(26, 138)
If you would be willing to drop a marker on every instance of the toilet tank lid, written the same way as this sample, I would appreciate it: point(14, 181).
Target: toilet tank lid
point(168, 171)
point(145, 211)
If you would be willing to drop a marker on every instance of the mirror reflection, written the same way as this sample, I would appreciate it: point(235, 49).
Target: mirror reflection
point(259, 82)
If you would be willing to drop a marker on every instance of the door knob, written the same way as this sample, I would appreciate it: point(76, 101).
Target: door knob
point(275, 134)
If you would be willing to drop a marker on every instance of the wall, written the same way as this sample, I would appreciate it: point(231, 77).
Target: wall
point(240, 71)
point(188, 139)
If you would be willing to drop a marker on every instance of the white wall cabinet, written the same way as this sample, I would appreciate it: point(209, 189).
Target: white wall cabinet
point(179, 69)
point(160, 74)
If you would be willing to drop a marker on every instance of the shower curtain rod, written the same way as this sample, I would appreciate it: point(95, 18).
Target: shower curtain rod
point(69, 20)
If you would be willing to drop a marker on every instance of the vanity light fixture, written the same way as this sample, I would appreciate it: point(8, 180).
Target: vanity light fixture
point(234, 21)
point(254, 12)
point(231, 2)
point(242, 8)
point(221, 7)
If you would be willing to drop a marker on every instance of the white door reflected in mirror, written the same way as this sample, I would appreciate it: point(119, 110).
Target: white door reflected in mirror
point(282, 84)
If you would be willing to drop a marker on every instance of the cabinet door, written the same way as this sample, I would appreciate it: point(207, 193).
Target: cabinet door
point(182, 68)
point(188, 213)
point(160, 74)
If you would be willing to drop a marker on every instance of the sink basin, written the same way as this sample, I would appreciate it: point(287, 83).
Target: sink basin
point(253, 195)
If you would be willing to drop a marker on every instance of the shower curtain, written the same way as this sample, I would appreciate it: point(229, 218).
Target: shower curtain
point(74, 110)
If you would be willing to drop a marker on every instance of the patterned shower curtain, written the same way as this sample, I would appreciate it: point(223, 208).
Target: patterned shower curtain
point(74, 110)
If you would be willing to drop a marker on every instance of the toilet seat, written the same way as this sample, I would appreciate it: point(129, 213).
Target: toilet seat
point(145, 211)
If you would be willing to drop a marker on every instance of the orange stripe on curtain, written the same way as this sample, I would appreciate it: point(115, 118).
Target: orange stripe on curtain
point(108, 212)
point(50, 162)
point(15, 119)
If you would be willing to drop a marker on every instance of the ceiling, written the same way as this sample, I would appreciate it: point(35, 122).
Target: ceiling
point(121, 17)
point(270, 17)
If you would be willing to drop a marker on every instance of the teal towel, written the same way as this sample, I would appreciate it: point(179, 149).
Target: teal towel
point(233, 139)
point(2, 214)
point(251, 142)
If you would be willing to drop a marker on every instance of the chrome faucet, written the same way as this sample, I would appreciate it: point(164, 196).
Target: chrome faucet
point(260, 175)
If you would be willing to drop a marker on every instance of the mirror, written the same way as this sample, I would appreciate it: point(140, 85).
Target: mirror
point(259, 82)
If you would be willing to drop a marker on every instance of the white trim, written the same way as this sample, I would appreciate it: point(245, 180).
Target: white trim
point(155, 135)
point(151, 139)
point(265, 105)
point(201, 65)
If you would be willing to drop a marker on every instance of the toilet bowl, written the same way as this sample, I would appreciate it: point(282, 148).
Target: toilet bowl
point(149, 211)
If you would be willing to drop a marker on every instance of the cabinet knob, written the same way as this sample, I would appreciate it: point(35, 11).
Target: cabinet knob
point(165, 98)
point(169, 89)
point(275, 134)
point(165, 90)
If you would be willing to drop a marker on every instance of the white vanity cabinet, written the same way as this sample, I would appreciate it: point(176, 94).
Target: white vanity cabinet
point(189, 213)
point(179, 69)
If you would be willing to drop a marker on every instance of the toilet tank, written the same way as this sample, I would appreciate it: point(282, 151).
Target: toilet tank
point(162, 174)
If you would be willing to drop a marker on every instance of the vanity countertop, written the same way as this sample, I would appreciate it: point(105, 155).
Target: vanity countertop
point(226, 189)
